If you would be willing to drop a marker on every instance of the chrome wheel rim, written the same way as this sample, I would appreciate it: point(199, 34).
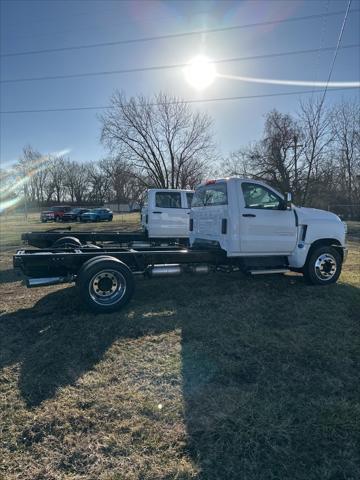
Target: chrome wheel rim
point(325, 267)
point(107, 287)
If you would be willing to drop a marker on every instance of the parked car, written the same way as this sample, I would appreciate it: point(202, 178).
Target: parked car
point(74, 214)
point(96, 215)
point(54, 214)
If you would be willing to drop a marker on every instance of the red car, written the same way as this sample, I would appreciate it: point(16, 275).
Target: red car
point(54, 214)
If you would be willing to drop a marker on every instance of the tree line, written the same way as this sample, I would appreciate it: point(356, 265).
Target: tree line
point(162, 142)
point(314, 154)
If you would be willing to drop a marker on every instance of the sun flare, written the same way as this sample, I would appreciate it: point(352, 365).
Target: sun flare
point(200, 72)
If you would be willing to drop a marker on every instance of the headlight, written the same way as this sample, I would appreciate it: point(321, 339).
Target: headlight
point(345, 227)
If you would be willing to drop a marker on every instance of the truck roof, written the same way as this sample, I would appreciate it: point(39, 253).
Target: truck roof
point(230, 179)
point(169, 190)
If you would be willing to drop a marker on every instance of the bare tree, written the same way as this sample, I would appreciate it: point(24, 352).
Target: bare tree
point(75, 180)
point(127, 185)
point(345, 130)
point(162, 139)
point(99, 184)
point(55, 187)
point(31, 175)
point(275, 158)
point(315, 126)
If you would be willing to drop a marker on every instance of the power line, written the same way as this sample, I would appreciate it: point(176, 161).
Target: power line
point(171, 66)
point(172, 35)
point(336, 52)
point(175, 102)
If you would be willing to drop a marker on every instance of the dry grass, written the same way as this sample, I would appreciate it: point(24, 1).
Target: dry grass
point(209, 377)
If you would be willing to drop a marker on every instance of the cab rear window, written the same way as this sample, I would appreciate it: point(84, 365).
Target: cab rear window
point(210, 195)
point(168, 199)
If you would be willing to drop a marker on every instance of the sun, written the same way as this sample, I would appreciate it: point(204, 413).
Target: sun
point(200, 72)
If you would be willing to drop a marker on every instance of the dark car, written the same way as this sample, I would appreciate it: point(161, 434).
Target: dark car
point(74, 214)
point(96, 215)
point(54, 214)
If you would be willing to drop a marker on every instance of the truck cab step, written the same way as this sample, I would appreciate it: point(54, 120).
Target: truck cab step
point(269, 270)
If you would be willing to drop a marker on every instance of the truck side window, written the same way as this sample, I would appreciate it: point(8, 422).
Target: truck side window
point(189, 197)
point(257, 196)
point(210, 195)
point(168, 199)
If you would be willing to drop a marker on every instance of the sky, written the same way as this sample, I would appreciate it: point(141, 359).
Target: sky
point(34, 25)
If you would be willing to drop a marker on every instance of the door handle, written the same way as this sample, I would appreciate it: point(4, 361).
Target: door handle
point(157, 212)
point(248, 215)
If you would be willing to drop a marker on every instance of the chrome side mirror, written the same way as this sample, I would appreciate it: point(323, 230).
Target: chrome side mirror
point(288, 197)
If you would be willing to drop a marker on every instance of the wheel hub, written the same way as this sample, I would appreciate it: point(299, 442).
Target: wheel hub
point(107, 287)
point(105, 284)
point(325, 266)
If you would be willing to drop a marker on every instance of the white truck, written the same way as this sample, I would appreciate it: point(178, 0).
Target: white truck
point(248, 219)
point(166, 213)
point(235, 224)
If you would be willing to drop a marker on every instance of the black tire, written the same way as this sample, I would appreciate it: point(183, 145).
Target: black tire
point(67, 242)
point(323, 266)
point(110, 219)
point(105, 284)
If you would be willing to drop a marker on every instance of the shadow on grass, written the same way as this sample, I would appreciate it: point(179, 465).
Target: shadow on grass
point(57, 341)
point(269, 368)
point(9, 276)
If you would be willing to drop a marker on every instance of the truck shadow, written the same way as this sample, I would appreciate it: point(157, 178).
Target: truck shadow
point(8, 276)
point(264, 354)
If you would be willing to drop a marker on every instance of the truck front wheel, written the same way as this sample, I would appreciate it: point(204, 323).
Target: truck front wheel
point(105, 283)
point(323, 266)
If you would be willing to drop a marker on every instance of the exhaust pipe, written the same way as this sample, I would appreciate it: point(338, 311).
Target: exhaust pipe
point(45, 282)
point(167, 270)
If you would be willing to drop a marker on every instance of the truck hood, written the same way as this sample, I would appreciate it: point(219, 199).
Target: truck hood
point(307, 215)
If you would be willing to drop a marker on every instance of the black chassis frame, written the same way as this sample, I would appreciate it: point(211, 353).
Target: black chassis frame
point(67, 262)
point(46, 239)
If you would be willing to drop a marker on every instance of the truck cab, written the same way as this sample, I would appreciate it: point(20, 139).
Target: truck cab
point(166, 214)
point(247, 218)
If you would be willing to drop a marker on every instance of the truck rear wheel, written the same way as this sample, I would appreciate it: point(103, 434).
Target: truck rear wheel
point(323, 266)
point(105, 283)
point(67, 242)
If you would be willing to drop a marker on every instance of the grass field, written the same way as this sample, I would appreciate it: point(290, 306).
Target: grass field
point(210, 377)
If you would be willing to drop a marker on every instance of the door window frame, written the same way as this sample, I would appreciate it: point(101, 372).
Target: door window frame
point(281, 200)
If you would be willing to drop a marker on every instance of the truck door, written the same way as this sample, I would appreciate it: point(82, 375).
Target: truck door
point(265, 227)
point(211, 204)
point(166, 217)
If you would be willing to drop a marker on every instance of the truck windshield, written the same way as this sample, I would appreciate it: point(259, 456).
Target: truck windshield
point(210, 195)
